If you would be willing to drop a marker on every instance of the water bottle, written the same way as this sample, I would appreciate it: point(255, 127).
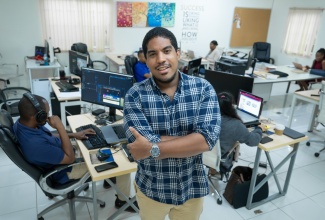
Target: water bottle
point(46, 60)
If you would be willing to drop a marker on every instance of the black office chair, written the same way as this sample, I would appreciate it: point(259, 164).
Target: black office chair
point(69, 191)
point(262, 51)
point(129, 62)
point(82, 48)
point(9, 99)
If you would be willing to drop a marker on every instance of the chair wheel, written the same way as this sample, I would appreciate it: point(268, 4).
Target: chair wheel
point(219, 201)
point(40, 218)
point(316, 154)
point(308, 143)
point(50, 197)
point(102, 205)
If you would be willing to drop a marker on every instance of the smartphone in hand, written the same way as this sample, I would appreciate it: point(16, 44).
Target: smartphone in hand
point(265, 140)
point(106, 166)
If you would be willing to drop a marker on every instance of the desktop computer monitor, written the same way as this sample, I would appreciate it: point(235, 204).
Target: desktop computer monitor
point(77, 61)
point(228, 82)
point(193, 66)
point(105, 88)
point(249, 59)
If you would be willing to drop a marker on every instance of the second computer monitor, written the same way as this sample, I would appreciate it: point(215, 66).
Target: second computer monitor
point(77, 61)
point(193, 66)
point(105, 88)
point(228, 82)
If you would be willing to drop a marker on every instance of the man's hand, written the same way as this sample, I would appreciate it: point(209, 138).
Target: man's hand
point(83, 134)
point(54, 121)
point(140, 148)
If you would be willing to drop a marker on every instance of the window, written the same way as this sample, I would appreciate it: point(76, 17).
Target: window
point(302, 30)
point(73, 21)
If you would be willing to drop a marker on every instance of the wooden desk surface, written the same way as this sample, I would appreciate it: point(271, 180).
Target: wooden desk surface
point(308, 93)
point(124, 165)
point(57, 91)
point(31, 64)
point(186, 59)
point(278, 140)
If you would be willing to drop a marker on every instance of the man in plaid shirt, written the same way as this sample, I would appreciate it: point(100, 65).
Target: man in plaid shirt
point(170, 119)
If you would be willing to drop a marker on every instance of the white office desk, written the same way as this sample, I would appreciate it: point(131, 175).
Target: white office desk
point(124, 166)
point(116, 62)
point(263, 87)
point(70, 99)
point(32, 65)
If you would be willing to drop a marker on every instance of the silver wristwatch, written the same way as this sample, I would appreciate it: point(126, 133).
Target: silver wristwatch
point(155, 151)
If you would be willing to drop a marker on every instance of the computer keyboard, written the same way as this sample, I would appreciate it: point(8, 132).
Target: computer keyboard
point(119, 131)
point(93, 141)
point(127, 153)
point(66, 87)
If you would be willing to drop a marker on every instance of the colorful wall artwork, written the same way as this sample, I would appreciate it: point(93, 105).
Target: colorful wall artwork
point(145, 14)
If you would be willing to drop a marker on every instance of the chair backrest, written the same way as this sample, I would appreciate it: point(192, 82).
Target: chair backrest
point(262, 51)
point(82, 48)
point(10, 146)
point(212, 158)
point(129, 62)
point(321, 114)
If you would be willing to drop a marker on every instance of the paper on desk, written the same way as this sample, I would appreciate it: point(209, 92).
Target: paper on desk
point(70, 94)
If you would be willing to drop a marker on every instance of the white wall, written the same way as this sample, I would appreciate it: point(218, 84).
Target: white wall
point(20, 28)
point(277, 30)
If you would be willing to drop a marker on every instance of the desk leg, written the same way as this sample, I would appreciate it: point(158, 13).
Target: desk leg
point(293, 105)
point(95, 206)
point(253, 180)
point(288, 87)
point(312, 120)
point(30, 80)
point(63, 115)
point(292, 162)
point(129, 202)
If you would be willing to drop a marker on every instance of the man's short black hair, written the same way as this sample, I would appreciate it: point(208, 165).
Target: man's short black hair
point(214, 42)
point(140, 51)
point(158, 32)
point(26, 108)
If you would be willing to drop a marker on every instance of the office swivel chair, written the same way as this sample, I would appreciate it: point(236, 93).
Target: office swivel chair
point(8, 71)
point(129, 62)
point(320, 118)
point(262, 51)
point(212, 159)
point(69, 191)
point(9, 99)
point(82, 48)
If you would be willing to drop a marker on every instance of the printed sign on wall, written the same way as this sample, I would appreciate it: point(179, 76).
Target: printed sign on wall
point(191, 19)
point(145, 14)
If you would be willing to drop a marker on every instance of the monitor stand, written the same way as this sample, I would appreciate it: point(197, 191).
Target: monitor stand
point(112, 115)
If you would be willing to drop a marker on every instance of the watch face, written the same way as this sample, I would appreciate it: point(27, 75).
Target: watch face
point(155, 151)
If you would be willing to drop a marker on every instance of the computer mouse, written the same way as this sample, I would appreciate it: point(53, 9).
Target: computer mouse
point(102, 156)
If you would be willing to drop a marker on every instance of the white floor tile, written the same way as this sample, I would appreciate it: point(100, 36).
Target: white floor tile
point(273, 215)
point(24, 214)
point(247, 214)
point(319, 199)
point(305, 209)
point(13, 175)
point(305, 182)
point(17, 197)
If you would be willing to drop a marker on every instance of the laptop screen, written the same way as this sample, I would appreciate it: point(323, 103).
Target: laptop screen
point(250, 103)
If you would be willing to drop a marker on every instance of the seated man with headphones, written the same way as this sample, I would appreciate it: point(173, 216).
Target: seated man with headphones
point(45, 149)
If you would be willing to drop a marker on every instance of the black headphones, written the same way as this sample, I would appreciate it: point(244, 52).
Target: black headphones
point(41, 115)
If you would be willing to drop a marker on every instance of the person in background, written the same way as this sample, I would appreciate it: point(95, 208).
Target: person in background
point(170, 120)
point(45, 149)
point(141, 71)
point(213, 55)
point(318, 64)
point(233, 130)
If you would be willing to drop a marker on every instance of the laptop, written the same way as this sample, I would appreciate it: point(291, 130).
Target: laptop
point(297, 65)
point(249, 108)
point(190, 54)
point(114, 133)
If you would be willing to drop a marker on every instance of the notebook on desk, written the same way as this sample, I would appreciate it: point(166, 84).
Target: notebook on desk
point(249, 108)
point(114, 133)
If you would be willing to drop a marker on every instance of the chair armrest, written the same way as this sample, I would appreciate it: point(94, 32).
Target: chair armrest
point(66, 188)
point(15, 88)
point(271, 60)
point(99, 61)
